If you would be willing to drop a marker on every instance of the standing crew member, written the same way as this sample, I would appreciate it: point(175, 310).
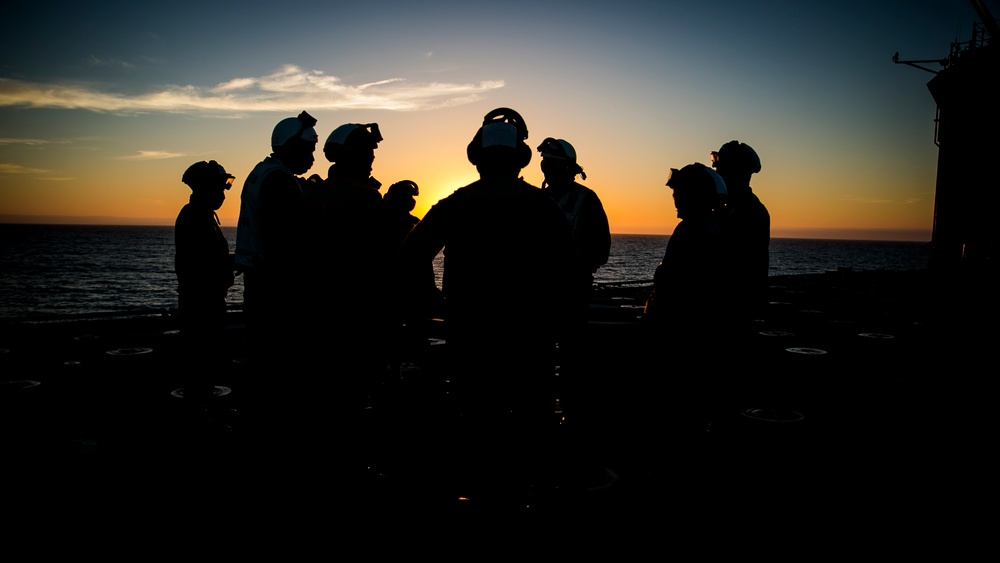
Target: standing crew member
point(508, 255)
point(204, 269)
point(268, 241)
point(580, 390)
point(748, 229)
point(687, 315)
point(347, 256)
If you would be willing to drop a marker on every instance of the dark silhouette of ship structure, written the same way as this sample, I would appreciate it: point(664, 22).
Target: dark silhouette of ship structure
point(966, 91)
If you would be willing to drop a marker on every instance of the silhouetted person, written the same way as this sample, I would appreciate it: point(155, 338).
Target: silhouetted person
point(748, 228)
point(582, 206)
point(507, 257)
point(689, 283)
point(269, 238)
point(688, 310)
point(412, 314)
point(346, 264)
point(579, 390)
point(204, 269)
point(348, 248)
point(400, 199)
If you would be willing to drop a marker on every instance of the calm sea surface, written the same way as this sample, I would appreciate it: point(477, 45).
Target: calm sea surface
point(68, 269)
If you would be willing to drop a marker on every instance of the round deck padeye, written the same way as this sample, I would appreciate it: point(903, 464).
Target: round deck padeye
point(775, 333)
point(217, 391)
point(18, 384)
point(876, 335)
point(134, 351)
point(806, 351)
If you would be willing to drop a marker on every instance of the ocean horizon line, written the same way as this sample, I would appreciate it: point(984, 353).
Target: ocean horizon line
point(885, 235)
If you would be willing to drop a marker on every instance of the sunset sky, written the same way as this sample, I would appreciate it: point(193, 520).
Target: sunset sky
point(104, 105)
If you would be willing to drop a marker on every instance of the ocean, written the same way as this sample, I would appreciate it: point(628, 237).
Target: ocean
point(55, 270)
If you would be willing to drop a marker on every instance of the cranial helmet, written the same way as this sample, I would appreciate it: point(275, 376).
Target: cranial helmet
point(351, 136)
point(738, 157)
point(290, 128)
point(558, 149)
point(207, 175)
point(403, 188)
point(503, 129)
point(705, 186)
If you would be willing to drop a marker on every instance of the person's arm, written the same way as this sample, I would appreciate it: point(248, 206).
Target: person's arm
point(598, 233)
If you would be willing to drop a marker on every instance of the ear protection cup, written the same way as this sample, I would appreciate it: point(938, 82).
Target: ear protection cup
point(475, 148)
point(523, 154)
point(333, 152)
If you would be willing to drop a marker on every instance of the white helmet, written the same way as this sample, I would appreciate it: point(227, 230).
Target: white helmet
point(558, 149)
point(368, 134)
point(294, 127)
point(350, 138)
point(700, 178)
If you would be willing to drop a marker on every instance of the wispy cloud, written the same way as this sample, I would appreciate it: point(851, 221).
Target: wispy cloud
point(114, 63)
point(152, 155)
point(6, 168)
point(288, 89)
point(30, 142)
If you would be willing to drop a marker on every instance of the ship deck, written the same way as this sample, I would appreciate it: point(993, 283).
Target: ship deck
point(867, 407)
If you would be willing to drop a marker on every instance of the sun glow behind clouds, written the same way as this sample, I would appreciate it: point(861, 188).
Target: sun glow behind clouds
point(286, 89)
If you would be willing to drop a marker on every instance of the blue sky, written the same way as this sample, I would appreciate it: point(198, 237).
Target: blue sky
point(103, 105)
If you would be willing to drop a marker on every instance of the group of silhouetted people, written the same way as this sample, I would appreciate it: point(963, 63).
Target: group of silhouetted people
point(339, 285)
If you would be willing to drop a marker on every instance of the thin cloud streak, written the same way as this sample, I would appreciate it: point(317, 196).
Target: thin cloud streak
point(152, 155)
point(288, 89)
point(6, 168)
point(115, 63)
point(29, 142)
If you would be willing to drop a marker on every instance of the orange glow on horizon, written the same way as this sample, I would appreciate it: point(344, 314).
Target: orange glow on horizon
point(150, 193)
